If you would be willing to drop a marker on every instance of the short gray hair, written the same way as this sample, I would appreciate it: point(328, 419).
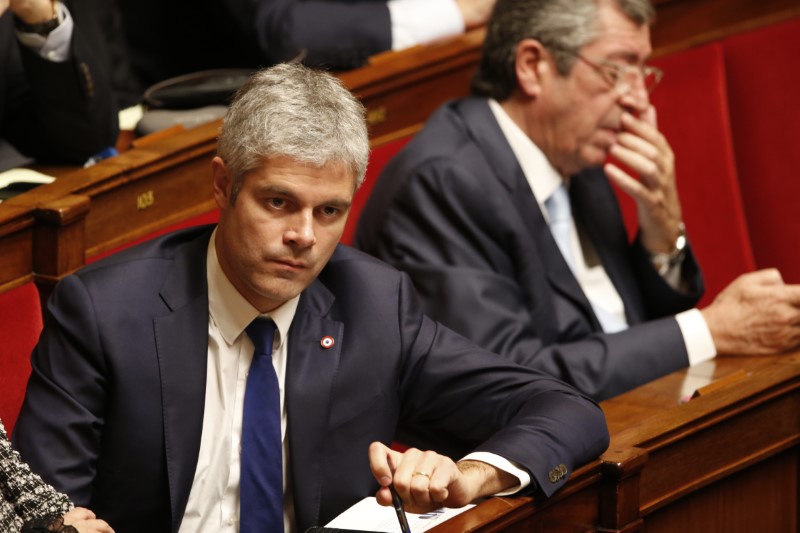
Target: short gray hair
point(562, 26)
point(289, 110)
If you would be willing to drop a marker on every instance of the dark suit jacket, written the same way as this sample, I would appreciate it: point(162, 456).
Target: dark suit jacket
point(114, 407)
point(58, 112)
point(455, 211)
point(168, 38)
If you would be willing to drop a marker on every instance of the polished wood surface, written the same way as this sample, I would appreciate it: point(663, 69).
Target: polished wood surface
point(727, 460)
point(49, 232)
point(16, 246)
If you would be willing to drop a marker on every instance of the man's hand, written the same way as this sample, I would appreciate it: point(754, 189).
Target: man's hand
point(757, 314)
point(85, 521)
point(426, 480)
point(475, 12)
point(29, 11)
point(645, 151)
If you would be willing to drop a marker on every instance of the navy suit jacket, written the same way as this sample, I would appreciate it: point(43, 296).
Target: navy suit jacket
point(114, 408)
point(59, 112)
point(454, 210)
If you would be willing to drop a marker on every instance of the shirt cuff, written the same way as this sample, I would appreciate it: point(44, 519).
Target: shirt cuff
point(422, 21)
point(505, 465)
point(696, 336)
point(56, 45)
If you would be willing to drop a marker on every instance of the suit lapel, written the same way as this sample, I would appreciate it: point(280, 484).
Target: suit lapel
point(309, 379)
point(182, 346)
point(544, 255)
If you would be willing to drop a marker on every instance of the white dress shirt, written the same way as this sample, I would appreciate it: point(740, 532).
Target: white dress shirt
point(422, 21)
point(213, 505)
point(544, 179)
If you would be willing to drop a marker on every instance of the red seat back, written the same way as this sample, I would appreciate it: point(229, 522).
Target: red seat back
point(20, 326)
point(378, 158)
point(763, 80)
point(693, 115)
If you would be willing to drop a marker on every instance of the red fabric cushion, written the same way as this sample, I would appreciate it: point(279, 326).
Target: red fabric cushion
point(693, 115)
point(20, 326)
point(377, 160)
point(763, 79)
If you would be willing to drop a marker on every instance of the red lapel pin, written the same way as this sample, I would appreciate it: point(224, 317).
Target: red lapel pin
point(327, 342)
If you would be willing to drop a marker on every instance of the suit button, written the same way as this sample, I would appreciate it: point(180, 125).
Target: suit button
point(558, 473)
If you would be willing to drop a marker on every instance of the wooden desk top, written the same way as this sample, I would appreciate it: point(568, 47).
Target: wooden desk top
point(664, 450)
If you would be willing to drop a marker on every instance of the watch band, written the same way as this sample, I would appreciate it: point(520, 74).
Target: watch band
point(40, 28)
point(664, 261)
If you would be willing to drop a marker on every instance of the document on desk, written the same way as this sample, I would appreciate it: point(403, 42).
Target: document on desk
point(368, 515)
point(18, 180)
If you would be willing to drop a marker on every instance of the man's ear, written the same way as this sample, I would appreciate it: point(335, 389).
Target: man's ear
point(222, 182)
point(531, 66)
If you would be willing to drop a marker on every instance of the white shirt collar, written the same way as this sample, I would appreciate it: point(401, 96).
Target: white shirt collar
point(542, 177)
point(231, 311)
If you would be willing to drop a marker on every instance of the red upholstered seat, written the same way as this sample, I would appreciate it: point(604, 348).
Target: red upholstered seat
point(20, 326)
point(693, 114)
point(763, 80)
point(377, 160)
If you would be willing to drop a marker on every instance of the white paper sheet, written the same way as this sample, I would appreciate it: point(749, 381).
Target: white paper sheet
point(368, 515)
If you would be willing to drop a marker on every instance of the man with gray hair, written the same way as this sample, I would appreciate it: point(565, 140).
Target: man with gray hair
point(502, 213)
point(251, 376)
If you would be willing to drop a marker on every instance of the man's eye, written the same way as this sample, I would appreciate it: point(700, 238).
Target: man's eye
point(277, 202)
point(613, 74)
point(329, 211)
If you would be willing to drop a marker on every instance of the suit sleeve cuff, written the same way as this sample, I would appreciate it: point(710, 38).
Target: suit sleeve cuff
point(501, 463)
point(696, 336)
point(422, 21)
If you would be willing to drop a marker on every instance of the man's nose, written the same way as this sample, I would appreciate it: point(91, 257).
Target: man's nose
point(301, 230)
point(636, 99)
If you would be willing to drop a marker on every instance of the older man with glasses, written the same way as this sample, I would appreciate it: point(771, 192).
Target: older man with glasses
point(502, 212)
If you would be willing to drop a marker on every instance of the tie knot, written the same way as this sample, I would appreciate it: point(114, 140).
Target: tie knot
point(261, 331)
point(558, 205)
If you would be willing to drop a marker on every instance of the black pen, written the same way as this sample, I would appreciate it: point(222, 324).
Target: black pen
point(401, 513)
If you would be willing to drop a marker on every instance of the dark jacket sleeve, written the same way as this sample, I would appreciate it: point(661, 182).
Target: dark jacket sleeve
point(339, 35)
point(463, 393)
point(57, 112)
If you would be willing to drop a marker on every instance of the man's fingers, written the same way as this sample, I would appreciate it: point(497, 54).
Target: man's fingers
point(626, 182)
point(640, 128)
point(379, 463)
point(646, 168)
point(637, 144)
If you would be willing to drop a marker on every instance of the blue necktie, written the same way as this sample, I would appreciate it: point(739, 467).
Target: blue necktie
point(561, 224)
point(261, 483)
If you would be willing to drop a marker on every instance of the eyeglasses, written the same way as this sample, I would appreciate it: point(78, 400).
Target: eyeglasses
point(623, 78)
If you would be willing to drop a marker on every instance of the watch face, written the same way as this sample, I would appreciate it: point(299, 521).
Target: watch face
point(680, 243)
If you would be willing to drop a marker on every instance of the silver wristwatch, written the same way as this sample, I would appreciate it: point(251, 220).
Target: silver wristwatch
point(664, 261)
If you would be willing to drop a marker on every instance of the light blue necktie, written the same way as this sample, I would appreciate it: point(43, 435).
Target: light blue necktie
point(261, 482)
point(561, 223)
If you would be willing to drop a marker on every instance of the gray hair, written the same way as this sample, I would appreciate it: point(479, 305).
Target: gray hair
point(561, 26)
point(293, 111)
